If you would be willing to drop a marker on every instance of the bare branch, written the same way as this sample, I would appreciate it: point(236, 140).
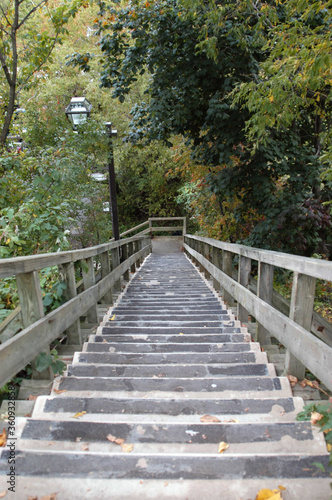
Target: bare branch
point(32, 11)
point(4, 15)
point(5, 68)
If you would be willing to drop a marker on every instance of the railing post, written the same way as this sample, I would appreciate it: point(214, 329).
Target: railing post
point(89, 280)
point(264, 292)
point(243, 279)
point(32, 309)
point(184, 230)
point(125, 257)
point(105, 270)
point(200, 250)
point(131, 251)
point(67, 275)
point(216, 260)
point(227, 258)
point(115, 263)
point(206, 254)
point(302, 303)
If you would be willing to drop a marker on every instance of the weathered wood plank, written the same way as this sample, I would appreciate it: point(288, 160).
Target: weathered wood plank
point(67, 275)
point(302, 303)
point(227, 259)
point(311, 351)
point(105, 270)
point(243, 279)
point(89, 280)
point(264, 292)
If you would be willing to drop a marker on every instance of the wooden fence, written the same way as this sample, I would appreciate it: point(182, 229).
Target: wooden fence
point(304, 350)
point(115, 259)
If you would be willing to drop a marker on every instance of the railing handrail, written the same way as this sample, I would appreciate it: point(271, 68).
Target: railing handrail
point(19, 265)
point(304, 349)
point(310, 266)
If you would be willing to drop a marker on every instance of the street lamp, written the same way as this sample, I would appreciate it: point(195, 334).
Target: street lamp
point(111, 180)
point(78, 110)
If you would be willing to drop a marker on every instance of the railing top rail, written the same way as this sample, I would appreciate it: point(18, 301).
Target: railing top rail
point(134, 228)
point(316, 268)
point(19, 265)
point(166, 218)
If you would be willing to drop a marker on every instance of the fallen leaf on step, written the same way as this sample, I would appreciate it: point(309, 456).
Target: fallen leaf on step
point(222, 447)
point(50, 444)
point(303, 383)
point(32, 397)
point(115, 440)
point(58, 391)
point(315, 417)
point(127, 447)
point(266, 494)
point(292, 380)
point(113, 317)
point(312, 383)
point(3, 494)
point(32, 498)
point(3, 438)
point(52, 496)
point(281, 488)
point(79, 414)
point(85, 447)
point(181, 333)
point(209, 418)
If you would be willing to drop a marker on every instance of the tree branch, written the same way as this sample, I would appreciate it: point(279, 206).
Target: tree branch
point(32, 11)
point(5, 69)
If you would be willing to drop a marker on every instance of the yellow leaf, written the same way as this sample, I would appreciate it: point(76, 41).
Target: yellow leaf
point(79, 414)
point(3, 494)
point(113, 317)
point(181, 333)
point(3, 438)
point(222, 447)
point(8, 241)
point(127, 447)
point(266, 494)
point(209, 418)
point(114, 439)
point(329, 447)
point(315, 417)
point(271, 98)
point(281, 488)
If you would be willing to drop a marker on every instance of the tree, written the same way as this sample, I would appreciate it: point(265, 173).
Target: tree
point(200, 61)
point(26, 47)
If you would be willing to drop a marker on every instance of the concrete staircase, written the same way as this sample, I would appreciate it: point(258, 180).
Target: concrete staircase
point(143, 409)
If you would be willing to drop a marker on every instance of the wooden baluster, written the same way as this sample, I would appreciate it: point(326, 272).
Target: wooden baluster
point(206, 253)
point(227, 258)
point(32, 309)
point(67, 275)
point(302, 304)
point(125, 257)
point(105, 271)
point(200, 250)
point(216, 260)
point(243, 278)
point(131, 251)
point(264, 292)
point(89, 280)
point(115, 263)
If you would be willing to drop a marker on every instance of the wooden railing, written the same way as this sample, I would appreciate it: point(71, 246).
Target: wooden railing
point(115, 259)
point(304, 350)
point(150, 229)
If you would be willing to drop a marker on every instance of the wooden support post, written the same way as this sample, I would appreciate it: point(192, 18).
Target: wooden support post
point(200, 249)
point(264, 292)
point(105, 270)
point(301, 309)
point(227, 258)
point(125, 257)
point(216, 261)
point(184, 231)
point(67, 275)
point(32, 309)
point(243, 279)
point(115, 263)
point(89, 280)
point(131, 251)
point(206, 254)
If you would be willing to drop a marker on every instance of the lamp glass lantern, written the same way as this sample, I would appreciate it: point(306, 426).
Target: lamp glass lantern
point(78, 110)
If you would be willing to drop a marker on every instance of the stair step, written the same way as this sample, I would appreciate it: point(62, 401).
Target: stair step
point(228, 346)
point(163, 466)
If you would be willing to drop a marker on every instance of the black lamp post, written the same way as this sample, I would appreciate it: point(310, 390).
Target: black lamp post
point(78, 110)
point(111, 180)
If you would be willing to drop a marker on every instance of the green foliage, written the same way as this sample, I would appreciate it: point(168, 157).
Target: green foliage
point(321, 415)
point(51, 360)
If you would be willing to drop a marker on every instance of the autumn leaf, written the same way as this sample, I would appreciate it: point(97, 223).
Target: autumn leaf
point(3, 438)
point(266, 494)
point(113, 317)
point(292, 380)
point(32, 397)
point(181, 333)
point(222, 447)
point(115, 440)
point(127, 447)
point(52, 496)
point(209, 418)
point(79, 414)
point(315, 417)
point(3, 494)
point(57, 391)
